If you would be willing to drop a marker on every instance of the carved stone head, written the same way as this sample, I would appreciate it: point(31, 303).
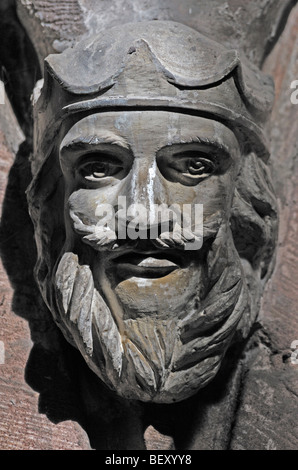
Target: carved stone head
point(154, 215)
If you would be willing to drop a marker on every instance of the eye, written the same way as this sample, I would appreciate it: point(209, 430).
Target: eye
point(199, 167)
point(188, 167)
point(96, 167)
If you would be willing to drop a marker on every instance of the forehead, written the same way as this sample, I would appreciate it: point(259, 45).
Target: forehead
point(152, 127)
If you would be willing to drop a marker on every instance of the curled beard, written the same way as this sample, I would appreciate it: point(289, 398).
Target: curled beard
point(151, 358)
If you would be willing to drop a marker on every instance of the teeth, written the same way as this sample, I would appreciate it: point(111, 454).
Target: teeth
point(153, 262)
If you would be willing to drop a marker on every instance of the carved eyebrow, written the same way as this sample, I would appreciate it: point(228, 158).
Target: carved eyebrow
point(205, 141)
point(99, 138)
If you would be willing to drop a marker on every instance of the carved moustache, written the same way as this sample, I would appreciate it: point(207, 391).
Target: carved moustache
point(171, 230)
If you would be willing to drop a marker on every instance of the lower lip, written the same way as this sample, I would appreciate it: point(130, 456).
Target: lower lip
point(150, 266)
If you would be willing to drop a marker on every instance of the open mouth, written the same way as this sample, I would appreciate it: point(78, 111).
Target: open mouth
point(149, 265)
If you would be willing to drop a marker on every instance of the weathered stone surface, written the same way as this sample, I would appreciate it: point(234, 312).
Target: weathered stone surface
point(12, 135)
point(266, 417)
point(56, 25)
point(252, 26)
point(19, 64)
point(268, 406)
point(156, 441)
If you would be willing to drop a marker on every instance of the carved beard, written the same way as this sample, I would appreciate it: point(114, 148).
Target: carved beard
point(151, 358)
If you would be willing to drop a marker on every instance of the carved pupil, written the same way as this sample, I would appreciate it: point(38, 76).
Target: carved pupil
point(94, 170)
point(200, 166)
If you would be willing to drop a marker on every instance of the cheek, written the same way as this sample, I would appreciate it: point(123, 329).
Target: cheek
point(85, 203)
point(176, 193)
point(215, 193)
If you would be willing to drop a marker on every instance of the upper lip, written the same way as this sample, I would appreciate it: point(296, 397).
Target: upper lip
point(148, 258)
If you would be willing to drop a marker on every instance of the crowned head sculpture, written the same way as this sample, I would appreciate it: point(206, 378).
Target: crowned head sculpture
point(154, 215)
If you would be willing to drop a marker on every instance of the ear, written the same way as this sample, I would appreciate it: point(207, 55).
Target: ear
point(45, 197)
point(254, 214)
point(254, 225)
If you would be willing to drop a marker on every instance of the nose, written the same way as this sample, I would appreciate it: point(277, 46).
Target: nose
point(143, 202)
